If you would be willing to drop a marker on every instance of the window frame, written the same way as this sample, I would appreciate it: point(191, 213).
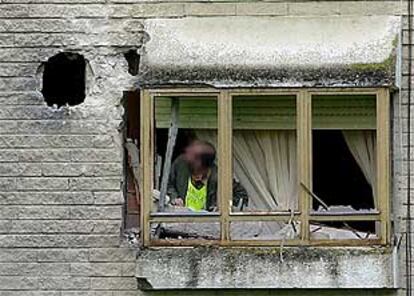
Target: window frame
point(225, 169)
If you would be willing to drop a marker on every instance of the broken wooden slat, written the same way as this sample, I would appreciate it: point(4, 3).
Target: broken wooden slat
point(322, 203)
point(172, 137)
point(158, 164)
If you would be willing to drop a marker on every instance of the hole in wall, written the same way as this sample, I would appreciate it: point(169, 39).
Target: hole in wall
point(132, 58)
point(64, 79)
point(131, 135)
point(132, 138)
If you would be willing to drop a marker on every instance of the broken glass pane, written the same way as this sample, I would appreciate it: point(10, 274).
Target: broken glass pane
point(185, 165)
point(264, 230)
point(264, 153)
point(361, 230)
point(186, 231)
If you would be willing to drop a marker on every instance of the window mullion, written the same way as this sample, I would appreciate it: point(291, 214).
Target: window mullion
point(146, 163)
point(225, 169)
point(304, 150)
point(383, 161)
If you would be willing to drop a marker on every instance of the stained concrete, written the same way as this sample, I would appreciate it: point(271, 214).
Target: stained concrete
point(264, 268)
point(274, 52)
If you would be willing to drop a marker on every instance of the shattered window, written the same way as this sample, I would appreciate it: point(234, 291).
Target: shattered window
point(264, 165)
point(245, 167)
point(344, 165)
point(185, 166)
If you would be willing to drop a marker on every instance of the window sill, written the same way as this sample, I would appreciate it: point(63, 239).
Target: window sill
point(256, 268)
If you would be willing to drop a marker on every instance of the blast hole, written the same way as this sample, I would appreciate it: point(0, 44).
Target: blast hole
point(64, 79)
point(132, 58)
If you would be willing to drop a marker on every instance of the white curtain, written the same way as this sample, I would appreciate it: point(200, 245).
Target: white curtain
point(362, 145)
point(265, 164)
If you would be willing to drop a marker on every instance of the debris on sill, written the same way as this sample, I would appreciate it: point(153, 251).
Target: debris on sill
point(132, 236)
point(319, 232)
point(186, 231)
point(339, 209)
point(252, 230)
point(133, 153)
point(156, 197)
point(258, 230)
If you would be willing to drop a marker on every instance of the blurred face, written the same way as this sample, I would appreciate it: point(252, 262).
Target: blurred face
point(193, 155)
point(192, 152)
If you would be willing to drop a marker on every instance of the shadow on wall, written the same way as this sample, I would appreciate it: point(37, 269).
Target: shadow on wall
point(285, 292)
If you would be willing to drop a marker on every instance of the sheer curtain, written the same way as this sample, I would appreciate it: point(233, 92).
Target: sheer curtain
point(265, 165)
point(362, 145)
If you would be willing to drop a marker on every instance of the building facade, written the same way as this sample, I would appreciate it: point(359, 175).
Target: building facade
point(67, 203)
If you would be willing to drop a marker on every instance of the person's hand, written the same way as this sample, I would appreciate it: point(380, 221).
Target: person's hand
point(179, 202)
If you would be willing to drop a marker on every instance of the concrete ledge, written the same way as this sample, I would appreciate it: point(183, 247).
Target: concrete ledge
point(248, 51)
point(256, 268)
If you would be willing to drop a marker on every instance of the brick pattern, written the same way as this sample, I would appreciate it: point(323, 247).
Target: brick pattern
point(401, 161)
point(61, 170)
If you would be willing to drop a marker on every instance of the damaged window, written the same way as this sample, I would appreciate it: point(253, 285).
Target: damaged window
point(131, 132)
point(248, 167)
point(344, 165)
point(265, 166)
point(185, 165)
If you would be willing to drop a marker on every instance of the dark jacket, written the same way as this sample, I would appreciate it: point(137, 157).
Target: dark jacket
point(178, 183)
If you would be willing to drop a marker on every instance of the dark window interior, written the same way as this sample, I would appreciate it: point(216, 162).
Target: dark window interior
point(184, 138)
point(132, 117)
point(337, 178)
point(64, 79)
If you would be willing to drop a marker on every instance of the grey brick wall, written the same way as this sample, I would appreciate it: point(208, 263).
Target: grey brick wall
point(61, 170)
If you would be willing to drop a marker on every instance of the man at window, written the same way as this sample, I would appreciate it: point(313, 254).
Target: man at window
point(193, 179)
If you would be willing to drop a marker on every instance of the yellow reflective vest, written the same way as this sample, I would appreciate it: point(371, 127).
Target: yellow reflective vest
point(196, 199)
